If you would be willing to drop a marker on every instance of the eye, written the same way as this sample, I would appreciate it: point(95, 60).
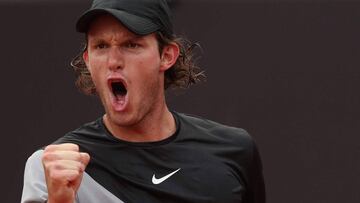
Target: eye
point(132, 45)
point(101, 46)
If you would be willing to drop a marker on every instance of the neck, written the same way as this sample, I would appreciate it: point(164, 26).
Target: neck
point(155, 126)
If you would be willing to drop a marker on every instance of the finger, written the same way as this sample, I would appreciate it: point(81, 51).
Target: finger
point(66, 165)
point(62, 155)
point(65, 146)
point(63, 176)
point(85, 158)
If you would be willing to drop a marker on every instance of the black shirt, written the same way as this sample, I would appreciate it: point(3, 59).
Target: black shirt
point(203, 161)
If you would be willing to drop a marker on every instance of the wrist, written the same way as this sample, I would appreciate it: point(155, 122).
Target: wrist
point(53, 200)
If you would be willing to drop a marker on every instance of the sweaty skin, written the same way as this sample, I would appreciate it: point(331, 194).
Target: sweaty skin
point(141, 115)
point(114, 53)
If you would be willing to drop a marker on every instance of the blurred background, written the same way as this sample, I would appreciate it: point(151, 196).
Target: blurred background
point(285, 70)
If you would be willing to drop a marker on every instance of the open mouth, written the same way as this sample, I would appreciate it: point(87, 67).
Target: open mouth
point(118, 89)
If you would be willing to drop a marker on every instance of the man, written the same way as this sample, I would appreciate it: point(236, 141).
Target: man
point(139, 151)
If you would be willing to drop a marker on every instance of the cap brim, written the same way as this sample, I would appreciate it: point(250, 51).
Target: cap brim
point(136, 24)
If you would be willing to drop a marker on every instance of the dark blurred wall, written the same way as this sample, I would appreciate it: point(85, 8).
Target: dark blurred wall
point(287, 71)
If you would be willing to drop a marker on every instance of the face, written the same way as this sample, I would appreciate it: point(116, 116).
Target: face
point(127, 70)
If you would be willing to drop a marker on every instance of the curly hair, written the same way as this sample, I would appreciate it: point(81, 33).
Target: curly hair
point(182, 74)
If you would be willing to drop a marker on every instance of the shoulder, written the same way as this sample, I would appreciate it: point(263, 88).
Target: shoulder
point(35, 159)
point(209, 129)
point(90, 130)
point(70, 137)
point(209, 126)
point(230, 144)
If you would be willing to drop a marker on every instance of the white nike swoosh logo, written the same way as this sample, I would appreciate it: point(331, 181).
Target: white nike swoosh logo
point(156, 181)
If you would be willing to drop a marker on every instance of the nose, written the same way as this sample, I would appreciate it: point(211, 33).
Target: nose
point(115, 59)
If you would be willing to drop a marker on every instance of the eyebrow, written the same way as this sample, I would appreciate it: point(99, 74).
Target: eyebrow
point(135, 37)
point(97, 39)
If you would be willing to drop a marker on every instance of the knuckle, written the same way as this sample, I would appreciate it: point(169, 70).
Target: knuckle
point(48, 148)
point(75, 147)
point(78, 157)
point(47, 156)
point(57, 165)
point(51, 166)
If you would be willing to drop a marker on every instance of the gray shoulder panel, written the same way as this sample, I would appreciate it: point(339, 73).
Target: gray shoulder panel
point(34, 188)
point(92, 192)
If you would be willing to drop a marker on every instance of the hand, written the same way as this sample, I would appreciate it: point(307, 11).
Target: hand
point(64, 166)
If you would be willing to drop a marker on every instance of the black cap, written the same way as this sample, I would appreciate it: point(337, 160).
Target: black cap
point(140, 16)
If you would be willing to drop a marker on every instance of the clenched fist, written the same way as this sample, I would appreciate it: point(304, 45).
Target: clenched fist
point(64, 166)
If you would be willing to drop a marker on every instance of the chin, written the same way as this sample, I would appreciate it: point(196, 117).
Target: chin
point(121, 119)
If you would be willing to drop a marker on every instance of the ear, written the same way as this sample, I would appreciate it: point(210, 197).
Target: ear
point(86, 58)
point(169, 55)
